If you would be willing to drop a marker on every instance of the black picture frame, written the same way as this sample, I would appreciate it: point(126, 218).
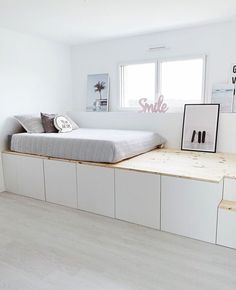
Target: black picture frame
point(187, 143)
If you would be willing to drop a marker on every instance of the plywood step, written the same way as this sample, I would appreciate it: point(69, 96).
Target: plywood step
point(228, 205)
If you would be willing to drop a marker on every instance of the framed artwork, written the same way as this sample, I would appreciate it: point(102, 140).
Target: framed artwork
point(97, 93)
point(223, 94)
point(200, 127)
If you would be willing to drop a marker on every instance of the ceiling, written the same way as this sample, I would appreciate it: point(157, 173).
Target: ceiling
point(80, 21)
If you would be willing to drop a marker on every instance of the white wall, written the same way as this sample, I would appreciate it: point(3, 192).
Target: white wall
point(35, 75)
point(216, 41)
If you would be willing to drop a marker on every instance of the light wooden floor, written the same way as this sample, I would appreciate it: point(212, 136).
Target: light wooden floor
point(44, 246)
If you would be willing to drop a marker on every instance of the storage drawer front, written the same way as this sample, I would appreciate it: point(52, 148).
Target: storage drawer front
point(10, 168)
point(60, 182)
point(96, 189)
point(24, 175)
point(189, 207)
point(230, 189)
point(31, 177)
point(226, 234)
point(138, 197)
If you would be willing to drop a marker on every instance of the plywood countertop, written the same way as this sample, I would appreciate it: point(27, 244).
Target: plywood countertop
point(194, 165)
point(228, 205)
point(211, 167)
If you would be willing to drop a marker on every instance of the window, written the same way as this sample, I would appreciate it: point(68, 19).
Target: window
point(180, 81)
point(137, 81)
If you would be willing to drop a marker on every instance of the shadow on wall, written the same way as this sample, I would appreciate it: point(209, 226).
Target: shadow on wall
point(8, 127)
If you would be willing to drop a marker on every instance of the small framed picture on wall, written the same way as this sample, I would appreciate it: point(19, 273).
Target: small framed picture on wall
point(97, 93)
point(200, 127)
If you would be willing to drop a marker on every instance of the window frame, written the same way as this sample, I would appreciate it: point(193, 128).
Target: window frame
point(158, 62)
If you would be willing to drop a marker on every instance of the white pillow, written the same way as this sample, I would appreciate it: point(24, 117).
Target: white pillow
point(32, 124)
point(63, 124)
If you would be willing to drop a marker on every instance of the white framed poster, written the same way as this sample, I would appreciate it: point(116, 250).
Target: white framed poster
point(200, 127)
point(223, 94)
point(97, 93)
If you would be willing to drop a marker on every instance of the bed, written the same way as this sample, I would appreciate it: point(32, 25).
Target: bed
point(95, 145)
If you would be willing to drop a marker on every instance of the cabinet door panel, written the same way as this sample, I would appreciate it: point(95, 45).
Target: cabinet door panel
point(230, 189)
point(189, 207)
point(10, 168)
point(31, 177)
point(60, 182)
point(96, 189)
point(138, 197)
point(226, 234)
point(24, 175)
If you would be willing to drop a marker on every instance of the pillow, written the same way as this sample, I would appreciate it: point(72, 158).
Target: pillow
point(63, 124)
point(48, 123)
point(74, 125)
point(31, 124)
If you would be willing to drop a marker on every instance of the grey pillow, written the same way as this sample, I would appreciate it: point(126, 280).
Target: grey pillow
point(31, 124)
point(48, 123)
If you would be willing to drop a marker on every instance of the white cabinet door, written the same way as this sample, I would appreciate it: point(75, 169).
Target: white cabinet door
point(31, 177)
point(10, 168)
point(226, 233)
point(24, 175)
point(230, 189)
point(60, 182)
point(96, 189)
point(189, 207)
point(138, 197)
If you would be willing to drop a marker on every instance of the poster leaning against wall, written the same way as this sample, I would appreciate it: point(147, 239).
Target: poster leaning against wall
point(200, 127)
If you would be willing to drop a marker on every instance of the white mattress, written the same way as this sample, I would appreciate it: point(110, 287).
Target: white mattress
point(94, 145)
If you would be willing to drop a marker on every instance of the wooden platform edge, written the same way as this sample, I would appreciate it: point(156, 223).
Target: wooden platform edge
point(119, 165)
point(228, 205)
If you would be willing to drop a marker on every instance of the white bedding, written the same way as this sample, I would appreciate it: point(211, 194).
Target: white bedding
point(96, 145)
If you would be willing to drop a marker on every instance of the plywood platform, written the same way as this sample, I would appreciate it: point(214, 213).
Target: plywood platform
point(194, 165)
point(228, 205)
